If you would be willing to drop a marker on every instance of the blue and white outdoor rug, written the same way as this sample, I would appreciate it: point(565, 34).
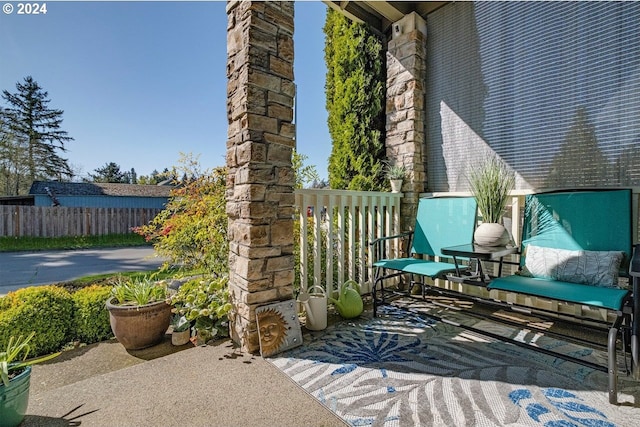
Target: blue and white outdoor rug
point(402, 369)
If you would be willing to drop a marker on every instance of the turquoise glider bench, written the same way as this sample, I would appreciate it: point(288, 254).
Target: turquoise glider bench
point(575, 247)
point(440, 222)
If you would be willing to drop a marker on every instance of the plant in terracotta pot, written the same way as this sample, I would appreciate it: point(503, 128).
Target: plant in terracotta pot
point(490, 183)
point(395, 173)
point(204, 302)
point(15, 371)
point(138, 312)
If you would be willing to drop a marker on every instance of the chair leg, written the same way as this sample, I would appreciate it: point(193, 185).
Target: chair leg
point(613, 366)
point(374, 295)
point(613, 359)
point(635, 354)
point(635, 329)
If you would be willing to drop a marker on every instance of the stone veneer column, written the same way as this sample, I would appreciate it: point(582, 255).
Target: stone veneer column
point(260, 180)
point(405, 108)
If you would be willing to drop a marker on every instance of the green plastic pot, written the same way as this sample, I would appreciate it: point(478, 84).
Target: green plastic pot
point(14, 399)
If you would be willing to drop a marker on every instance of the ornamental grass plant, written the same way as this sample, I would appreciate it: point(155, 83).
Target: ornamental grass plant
point(138, 291)
point(491, 184)
point(395, 171)
point(13, 357)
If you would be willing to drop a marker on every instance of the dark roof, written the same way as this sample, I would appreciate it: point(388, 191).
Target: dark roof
point(98, 189)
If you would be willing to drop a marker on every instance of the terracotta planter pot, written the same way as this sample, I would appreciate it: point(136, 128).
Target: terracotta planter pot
point(138, 327)
point(14, 399)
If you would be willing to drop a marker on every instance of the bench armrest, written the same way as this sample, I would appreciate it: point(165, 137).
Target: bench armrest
point(397, 236)
point(379, 248)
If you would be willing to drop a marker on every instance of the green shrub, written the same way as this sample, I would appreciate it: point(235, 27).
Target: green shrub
point(91, 318)
point(5, 302)
point(205, 302)
point(45, 310)
point(192, 229)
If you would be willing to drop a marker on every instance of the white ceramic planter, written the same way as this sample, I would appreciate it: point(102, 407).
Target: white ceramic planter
point(396, 185)
point(180, 338)
point(491, 234)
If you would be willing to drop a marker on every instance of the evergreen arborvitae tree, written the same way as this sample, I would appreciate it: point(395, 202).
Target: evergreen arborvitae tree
point(355, 103)
point(35, 132)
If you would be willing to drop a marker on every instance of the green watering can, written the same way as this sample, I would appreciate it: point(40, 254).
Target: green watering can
point(349, 303)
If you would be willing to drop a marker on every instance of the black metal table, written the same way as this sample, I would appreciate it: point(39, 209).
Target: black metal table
point(479, 253)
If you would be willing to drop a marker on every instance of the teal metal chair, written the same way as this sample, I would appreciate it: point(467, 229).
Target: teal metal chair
point(581, 220)
point(440, 222)
point(577, 220)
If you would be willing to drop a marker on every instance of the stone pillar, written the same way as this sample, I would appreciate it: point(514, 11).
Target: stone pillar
point(405, 108)
point(260, 181)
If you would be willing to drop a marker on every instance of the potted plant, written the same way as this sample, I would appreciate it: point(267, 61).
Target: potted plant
point(204, 302)
point(490, 185)
point(138, 312)
point(395, 174)
point(181, 332)
point(15, 371)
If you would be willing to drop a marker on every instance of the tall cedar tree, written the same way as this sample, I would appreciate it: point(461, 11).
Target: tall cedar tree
point(34, 130)
point(355, 93)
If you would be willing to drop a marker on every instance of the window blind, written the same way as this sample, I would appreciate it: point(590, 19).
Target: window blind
point(553, 88)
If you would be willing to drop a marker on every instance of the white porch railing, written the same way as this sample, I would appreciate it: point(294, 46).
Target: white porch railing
point(336, 227)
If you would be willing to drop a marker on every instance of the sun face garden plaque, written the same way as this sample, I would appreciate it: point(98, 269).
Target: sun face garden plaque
point(278, 327)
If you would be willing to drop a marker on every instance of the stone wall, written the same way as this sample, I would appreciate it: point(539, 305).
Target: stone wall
point(260, 94)
point(405, 109)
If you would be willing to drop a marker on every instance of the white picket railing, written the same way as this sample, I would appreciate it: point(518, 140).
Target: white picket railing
point(336, 227)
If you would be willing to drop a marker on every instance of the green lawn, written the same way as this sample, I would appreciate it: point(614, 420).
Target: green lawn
point(9, 244)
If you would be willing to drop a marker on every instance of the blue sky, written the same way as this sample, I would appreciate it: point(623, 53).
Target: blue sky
point(140, 82)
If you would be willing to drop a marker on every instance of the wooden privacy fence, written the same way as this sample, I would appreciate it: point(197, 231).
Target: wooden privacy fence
point(58, 221)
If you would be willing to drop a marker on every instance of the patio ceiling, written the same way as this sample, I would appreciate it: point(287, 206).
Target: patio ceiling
point(381, 14)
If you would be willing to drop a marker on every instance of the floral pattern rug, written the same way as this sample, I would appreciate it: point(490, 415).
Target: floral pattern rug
point(404, 369)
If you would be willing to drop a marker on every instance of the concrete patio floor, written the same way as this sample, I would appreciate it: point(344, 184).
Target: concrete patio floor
point(215, 385)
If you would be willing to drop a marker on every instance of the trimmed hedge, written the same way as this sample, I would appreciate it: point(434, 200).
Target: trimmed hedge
point(45, 310)
point(56, 316)
point(91, 318)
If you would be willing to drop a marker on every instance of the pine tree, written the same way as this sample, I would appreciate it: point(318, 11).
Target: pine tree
point(110, 172)
point(354, 95)
point(34, 131)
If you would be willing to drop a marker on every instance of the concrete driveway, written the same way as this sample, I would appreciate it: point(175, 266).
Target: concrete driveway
point(21, 269)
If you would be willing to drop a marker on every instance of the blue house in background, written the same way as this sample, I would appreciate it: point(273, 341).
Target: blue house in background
point(99, 195)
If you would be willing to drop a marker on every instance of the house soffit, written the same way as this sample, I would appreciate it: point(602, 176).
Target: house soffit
point(380, 15)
